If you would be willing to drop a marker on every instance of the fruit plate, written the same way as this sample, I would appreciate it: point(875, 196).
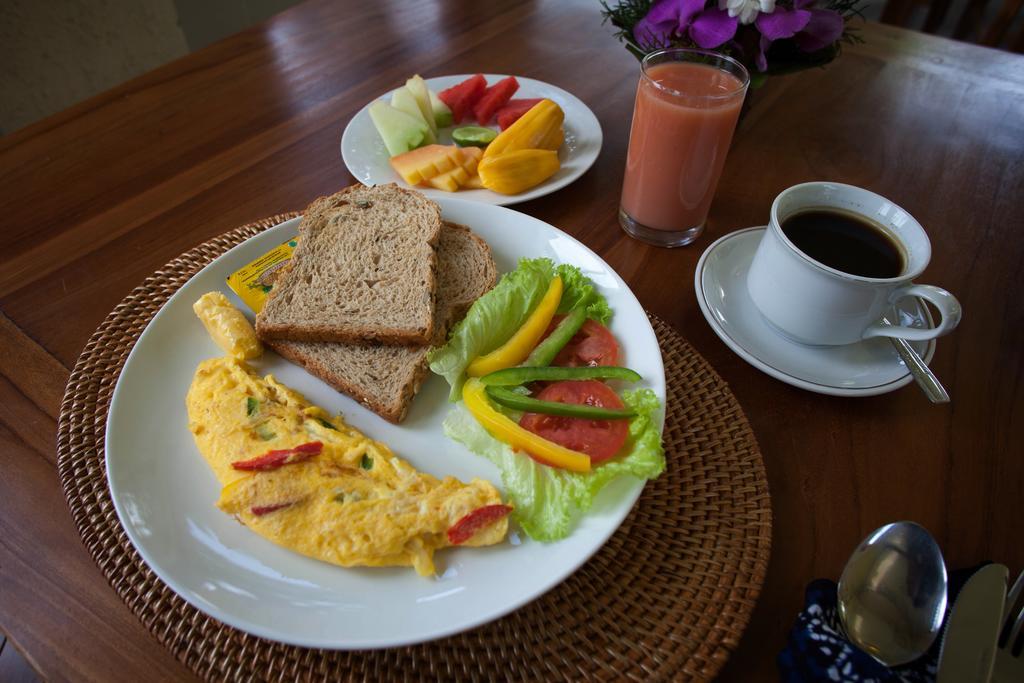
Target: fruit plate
point(366, 157)
point(164, 493)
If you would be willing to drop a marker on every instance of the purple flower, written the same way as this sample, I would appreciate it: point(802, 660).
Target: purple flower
point(684, 18)
point(711, 28)
point(824, 28)
point(811, 29)
point(781, 24)
point(665, 18)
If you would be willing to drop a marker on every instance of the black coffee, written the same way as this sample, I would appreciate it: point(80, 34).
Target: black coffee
point(846, 242)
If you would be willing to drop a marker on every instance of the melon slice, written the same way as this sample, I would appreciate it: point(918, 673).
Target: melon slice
point(471, 158)
point(442, 114)
point(420, 165)
point(418, 87)
point(450, 181)
point(399, 131)
point(403, 100)
point(457, 178)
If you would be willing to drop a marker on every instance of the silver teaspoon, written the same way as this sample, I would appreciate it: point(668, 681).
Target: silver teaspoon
point(926, 379)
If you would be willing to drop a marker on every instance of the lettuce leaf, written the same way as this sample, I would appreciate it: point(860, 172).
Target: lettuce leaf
point(491, 320)
point(578, 290)
point(496, 316)
point(547, 499)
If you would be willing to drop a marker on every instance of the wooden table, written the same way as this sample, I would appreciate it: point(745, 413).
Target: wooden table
point(98, 197)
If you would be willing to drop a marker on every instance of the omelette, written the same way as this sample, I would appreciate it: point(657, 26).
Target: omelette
point(311, 483)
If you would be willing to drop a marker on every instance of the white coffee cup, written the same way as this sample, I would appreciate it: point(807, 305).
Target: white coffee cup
point(812, 303)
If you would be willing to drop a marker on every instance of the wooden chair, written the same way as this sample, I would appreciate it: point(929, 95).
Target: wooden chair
point(974, 24)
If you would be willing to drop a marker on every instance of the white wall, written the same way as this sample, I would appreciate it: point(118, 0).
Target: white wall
point(55, 53)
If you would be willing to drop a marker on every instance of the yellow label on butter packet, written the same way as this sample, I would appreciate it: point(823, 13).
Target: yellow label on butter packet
point(254, 281)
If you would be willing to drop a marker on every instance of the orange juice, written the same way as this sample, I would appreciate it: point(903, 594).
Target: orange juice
point(683, 122)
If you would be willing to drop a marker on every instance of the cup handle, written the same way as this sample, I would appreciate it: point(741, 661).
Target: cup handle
point(947, 305)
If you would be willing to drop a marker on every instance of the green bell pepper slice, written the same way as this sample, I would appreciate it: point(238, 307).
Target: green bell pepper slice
point(511, 399)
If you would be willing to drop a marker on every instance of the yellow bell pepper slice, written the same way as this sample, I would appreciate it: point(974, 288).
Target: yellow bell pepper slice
point(516, 349)
point(504, 429)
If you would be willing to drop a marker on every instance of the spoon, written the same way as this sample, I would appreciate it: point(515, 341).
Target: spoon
point(892, 594)
point(926, 379)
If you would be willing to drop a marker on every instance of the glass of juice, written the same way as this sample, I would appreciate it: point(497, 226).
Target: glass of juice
point(687, 105)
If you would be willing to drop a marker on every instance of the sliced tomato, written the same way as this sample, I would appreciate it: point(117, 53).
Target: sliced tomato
point(592, 345)
point(513, 109)
point(260, 510)
point(600, 439)
point(271, 460)
point(466, 527)
point(462, 97)
point(496, 97)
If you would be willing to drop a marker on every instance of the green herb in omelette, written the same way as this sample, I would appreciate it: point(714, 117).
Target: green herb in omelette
point(265, 432)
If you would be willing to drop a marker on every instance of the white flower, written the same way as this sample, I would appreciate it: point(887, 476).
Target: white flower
point(747, 10)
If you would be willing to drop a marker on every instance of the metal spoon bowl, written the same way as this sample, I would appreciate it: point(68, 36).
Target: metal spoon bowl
point(892, 594)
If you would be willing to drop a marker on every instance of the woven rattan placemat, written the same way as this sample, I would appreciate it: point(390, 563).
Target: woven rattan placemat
point(667, 597)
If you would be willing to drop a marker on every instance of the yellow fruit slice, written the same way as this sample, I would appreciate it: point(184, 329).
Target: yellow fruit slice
point(536, 129)
point(514, 172)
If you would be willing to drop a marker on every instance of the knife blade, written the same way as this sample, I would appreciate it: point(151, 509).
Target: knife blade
point(969, 644)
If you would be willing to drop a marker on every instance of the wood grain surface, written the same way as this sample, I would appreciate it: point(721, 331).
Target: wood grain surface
point(96, 198)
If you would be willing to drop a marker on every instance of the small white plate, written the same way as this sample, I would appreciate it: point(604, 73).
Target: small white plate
point(164, 492)
point(866, 368)
point(367, 159)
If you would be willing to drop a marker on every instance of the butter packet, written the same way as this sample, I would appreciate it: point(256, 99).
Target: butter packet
point(254, 281)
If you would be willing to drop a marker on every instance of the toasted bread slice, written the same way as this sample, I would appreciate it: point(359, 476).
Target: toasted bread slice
point(363, 270)
point(385, 378)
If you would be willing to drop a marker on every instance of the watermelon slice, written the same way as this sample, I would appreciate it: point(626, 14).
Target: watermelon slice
point(496, 97)
point(462, 97)
point(508, 114)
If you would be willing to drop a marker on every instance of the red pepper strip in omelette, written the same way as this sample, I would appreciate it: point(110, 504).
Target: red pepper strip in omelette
point(463, 530)
point(271, 460)
point(260, 510)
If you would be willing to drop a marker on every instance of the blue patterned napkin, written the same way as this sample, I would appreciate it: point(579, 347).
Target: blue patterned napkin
point(817, 650)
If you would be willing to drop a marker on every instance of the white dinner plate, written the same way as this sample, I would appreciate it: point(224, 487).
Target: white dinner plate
point(367, 159)
point(867, 368)
point(164, 492)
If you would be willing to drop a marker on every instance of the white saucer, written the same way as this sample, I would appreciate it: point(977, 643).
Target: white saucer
point(866, 368)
